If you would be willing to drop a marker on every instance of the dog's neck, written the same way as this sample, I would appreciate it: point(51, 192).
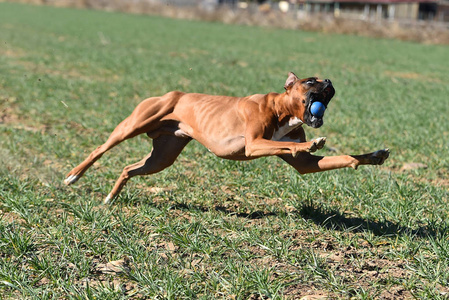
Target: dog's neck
point(284, 108)
point(287, 119)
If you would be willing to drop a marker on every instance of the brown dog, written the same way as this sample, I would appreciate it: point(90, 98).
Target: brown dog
point(233, 128)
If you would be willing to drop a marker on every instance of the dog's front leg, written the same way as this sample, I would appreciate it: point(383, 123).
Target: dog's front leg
point(257, 145)
point(262, 147)
point(307, 163)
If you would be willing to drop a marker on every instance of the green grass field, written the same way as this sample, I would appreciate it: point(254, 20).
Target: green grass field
point(208, 228)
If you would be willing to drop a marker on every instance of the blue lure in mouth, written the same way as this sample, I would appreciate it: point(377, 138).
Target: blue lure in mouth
point(317, 109)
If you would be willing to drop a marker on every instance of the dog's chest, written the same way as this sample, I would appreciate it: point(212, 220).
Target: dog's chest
point(286, 128)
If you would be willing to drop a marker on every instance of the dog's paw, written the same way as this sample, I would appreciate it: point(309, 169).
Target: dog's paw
point(320, 142)
point(108, 199)
point(71, 179)
point(379, 157)
point(317, 144)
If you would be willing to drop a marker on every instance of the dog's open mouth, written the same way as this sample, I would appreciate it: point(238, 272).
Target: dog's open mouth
point(317, 104)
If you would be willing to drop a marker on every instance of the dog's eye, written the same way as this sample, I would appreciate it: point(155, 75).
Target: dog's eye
point(310, 81)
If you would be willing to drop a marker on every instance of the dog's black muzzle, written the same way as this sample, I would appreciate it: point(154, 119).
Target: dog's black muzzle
point(324, 95)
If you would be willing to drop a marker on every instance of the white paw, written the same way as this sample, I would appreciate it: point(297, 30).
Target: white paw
point(320, 142)
point(317, 144)
point(108, 199)
point(71, 179)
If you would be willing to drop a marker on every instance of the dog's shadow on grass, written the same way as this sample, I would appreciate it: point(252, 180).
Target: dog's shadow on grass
point(329, 219)
point(334, 220)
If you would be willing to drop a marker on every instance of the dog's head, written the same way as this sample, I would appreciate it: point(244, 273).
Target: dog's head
point(304, 92)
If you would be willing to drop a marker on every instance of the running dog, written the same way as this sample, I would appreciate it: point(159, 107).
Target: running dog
point(230, 127)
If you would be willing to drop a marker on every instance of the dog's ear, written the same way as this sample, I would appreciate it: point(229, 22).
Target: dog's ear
point(291, 79)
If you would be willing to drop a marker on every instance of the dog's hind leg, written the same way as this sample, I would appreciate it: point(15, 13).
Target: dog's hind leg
point(145, 118)
point(125, 130)
point(166, 149)
point(307, 163)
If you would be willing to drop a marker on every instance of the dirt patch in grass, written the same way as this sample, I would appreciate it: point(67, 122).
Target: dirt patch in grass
point(7, 113)
point(414, 170)
point(411, 75)
point(10, 116)
point(41, 166)
point(8, 52)
point(360, 268)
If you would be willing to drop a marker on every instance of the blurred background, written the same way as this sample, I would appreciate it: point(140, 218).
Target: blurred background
point(415, 20)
